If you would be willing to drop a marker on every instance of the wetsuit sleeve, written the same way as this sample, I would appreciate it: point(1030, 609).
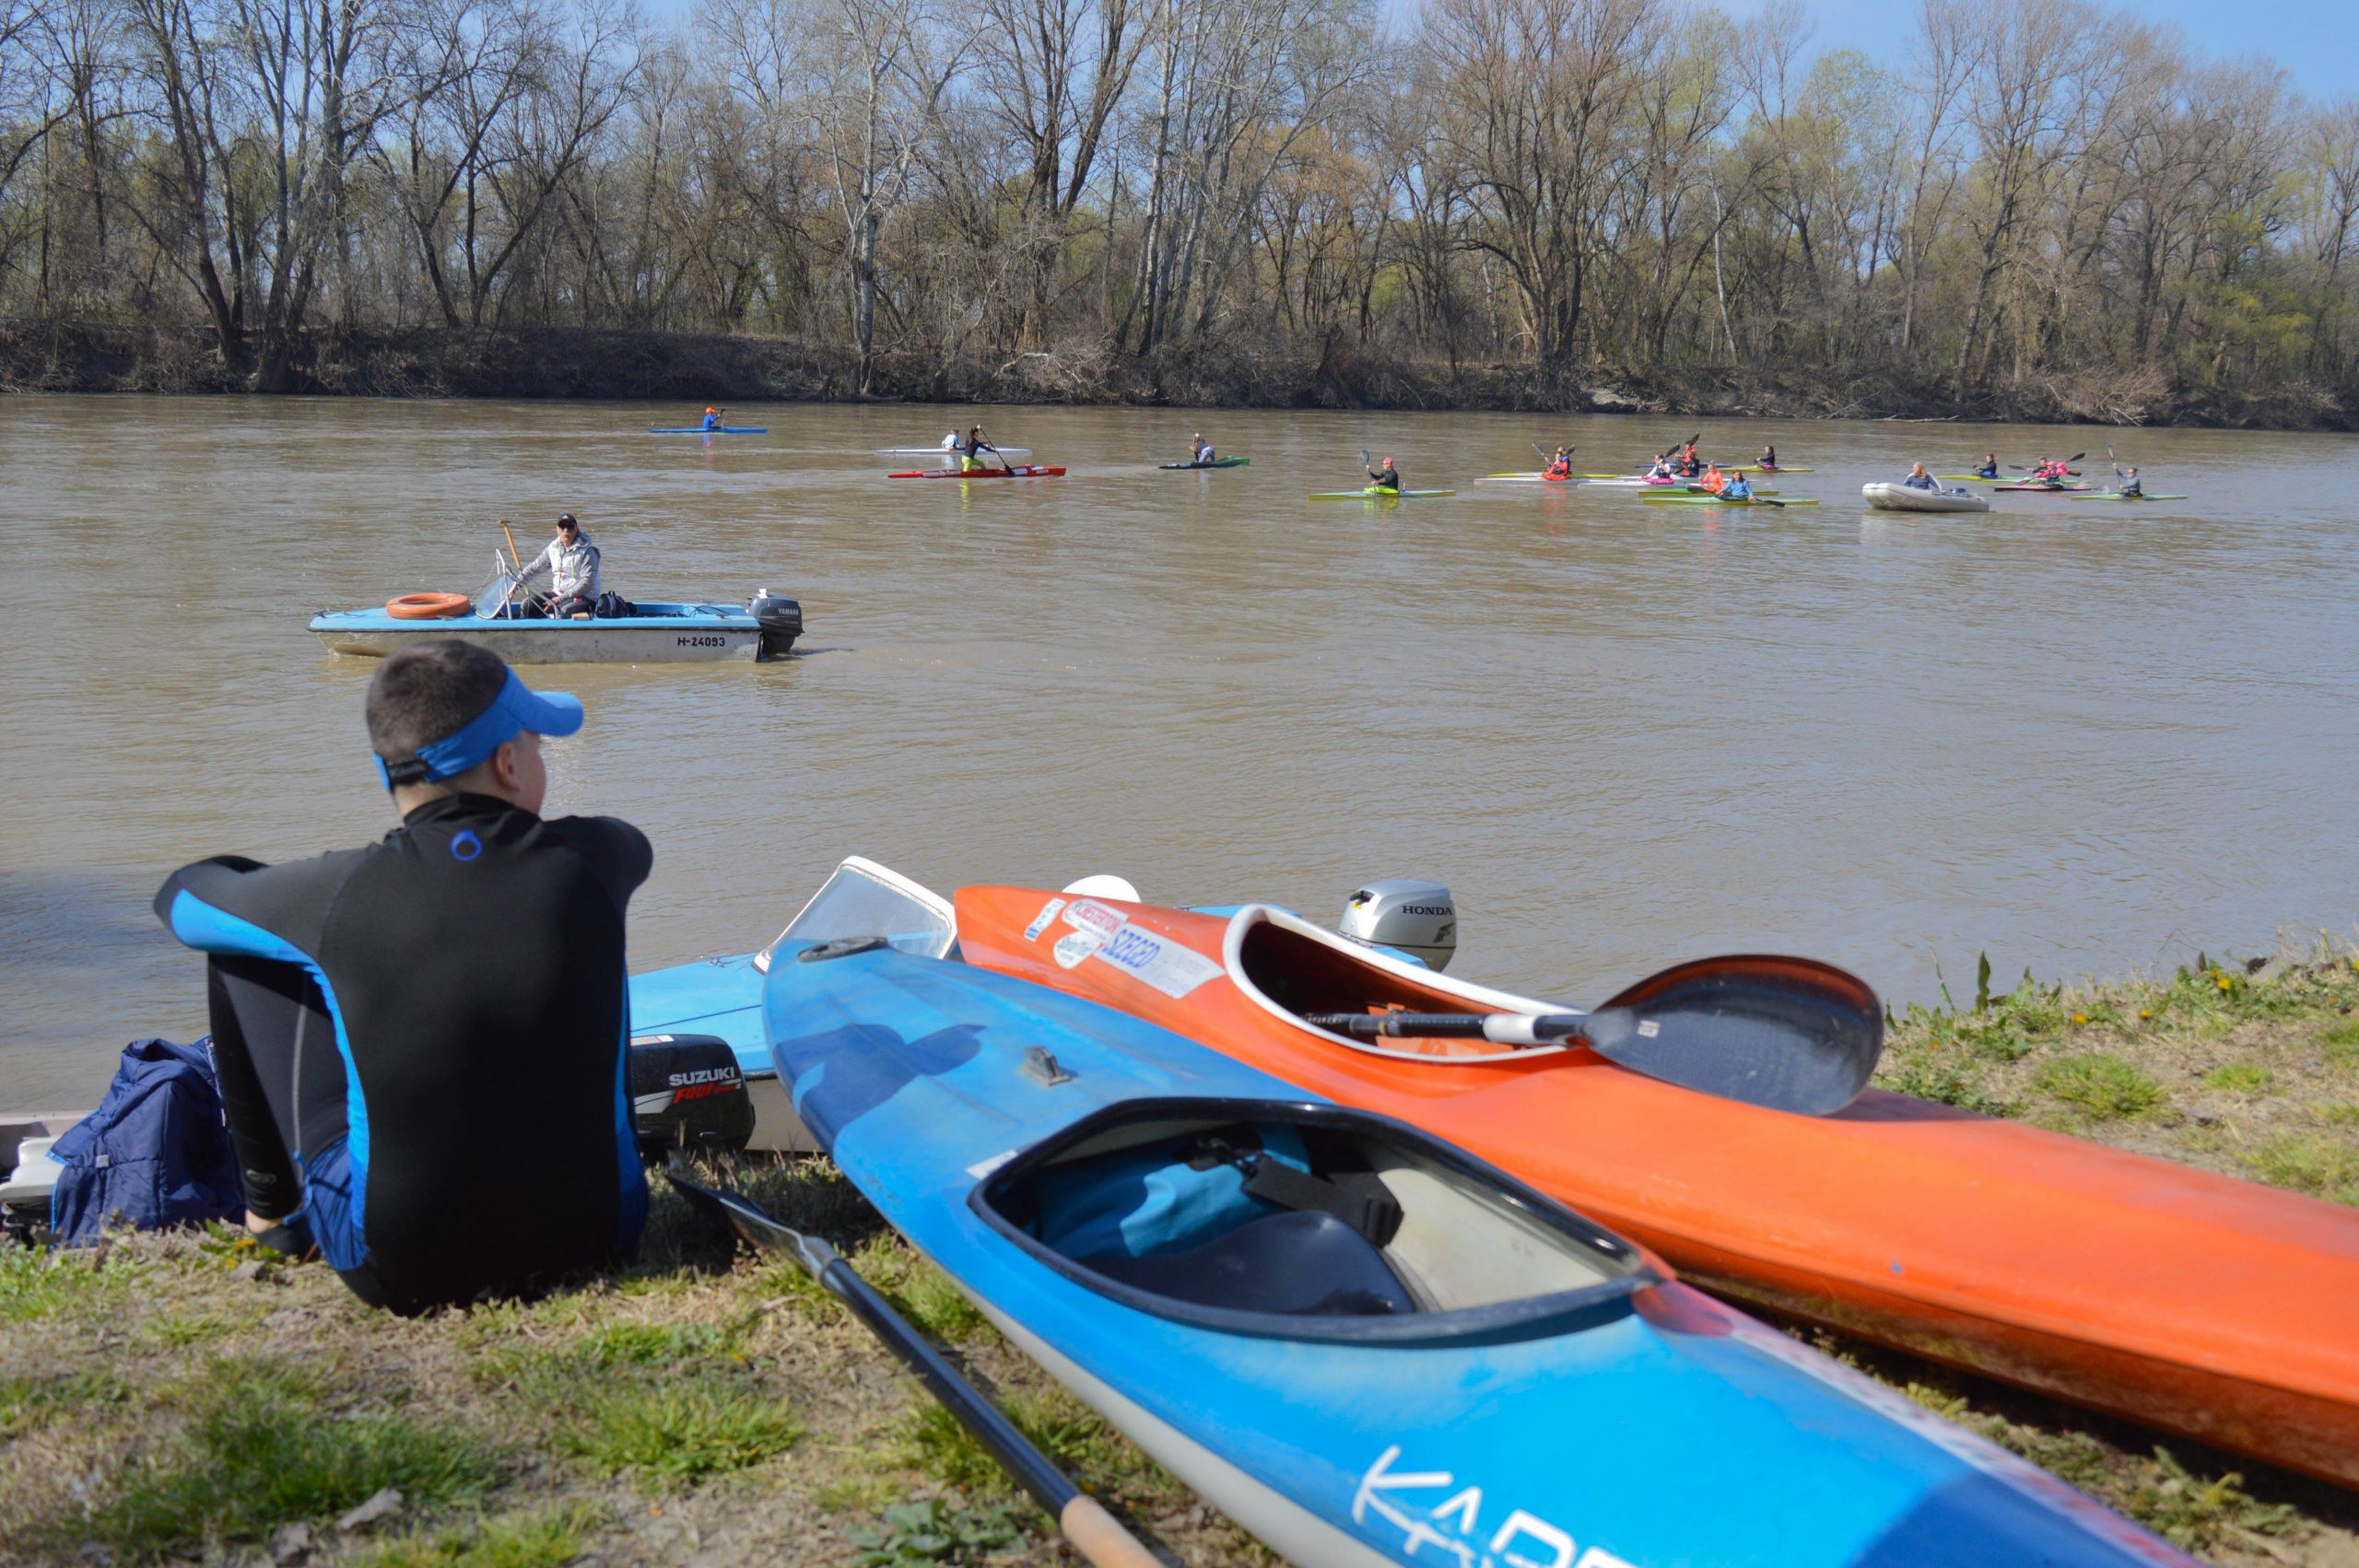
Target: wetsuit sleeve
point(617, 851)
point(233, 906)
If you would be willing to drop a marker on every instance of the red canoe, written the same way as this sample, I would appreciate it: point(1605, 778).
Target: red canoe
point(2216, 1309)
point(1021, 470)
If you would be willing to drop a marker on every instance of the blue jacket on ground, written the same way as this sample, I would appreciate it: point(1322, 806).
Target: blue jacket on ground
point(155, 1153)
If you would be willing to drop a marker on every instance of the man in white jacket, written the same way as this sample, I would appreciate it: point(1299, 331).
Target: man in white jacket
point(571, 561)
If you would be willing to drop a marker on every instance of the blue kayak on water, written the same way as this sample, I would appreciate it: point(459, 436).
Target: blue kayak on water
point(1362, 1344)
point(715, 431)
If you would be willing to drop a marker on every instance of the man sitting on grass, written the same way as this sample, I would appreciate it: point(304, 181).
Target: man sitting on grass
point(421, 1043)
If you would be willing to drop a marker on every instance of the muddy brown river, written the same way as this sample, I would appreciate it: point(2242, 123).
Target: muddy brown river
point(2087, 738)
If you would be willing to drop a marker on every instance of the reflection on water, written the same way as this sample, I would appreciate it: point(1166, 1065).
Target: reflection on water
point(2086, 737)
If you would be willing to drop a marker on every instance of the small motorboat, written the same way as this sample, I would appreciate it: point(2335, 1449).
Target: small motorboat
point(1887, 498)
point(657, 632)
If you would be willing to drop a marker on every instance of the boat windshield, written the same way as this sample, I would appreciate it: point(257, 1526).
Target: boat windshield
point(494, 593)
point(863, 898)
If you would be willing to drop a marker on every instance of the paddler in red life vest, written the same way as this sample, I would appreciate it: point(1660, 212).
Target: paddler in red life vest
point(1690, 465)
point(1561, 466)
point(712, 419)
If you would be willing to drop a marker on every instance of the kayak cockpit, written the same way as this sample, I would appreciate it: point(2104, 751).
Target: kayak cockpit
point(1293, 968)
point(1303, 1221)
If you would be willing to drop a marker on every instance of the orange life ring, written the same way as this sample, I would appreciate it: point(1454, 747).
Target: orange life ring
point(428, 607)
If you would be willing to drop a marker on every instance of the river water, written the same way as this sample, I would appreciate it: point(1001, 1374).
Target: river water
point(2087, 738)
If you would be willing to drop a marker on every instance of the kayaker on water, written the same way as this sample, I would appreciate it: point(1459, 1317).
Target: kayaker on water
point(971, 449)
point(1560, 467)
point(1735, 489)
point(1690, 465)
point(1661, 468)
point(1386, 478)
point(1919, 479)
point(421, 1043)
point(1768, 458)
point(1200, 450)
point(2130, 485)
point(1989, 469)
point(571, 561)
point(712, 419)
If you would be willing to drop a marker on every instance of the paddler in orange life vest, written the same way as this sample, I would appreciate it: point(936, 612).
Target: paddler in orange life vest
point(1714, 479)
point(1561, 466)
point(712, 419)
point(1689, 465)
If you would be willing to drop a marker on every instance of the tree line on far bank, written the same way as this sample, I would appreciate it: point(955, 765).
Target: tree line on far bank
point(2031, 193)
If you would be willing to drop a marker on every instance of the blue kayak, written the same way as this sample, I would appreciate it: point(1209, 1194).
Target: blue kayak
point(716, 430)
point(1361, 1343)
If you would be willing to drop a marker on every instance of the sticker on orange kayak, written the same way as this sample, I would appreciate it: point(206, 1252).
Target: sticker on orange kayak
point(1170, 968)
point(1088, 916)
point(1041, 921)
point(1072, 949)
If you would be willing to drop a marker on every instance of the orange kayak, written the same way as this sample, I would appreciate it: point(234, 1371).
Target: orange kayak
point(2219, 1309)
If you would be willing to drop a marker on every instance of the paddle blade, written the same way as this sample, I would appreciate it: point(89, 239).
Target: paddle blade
point(1790, 1034)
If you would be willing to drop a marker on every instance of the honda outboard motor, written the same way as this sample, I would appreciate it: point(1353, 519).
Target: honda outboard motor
point(687, 1092)
point(1416, 917)
point(781, 619)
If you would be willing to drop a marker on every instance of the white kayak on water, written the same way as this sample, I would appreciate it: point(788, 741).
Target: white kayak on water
point(1887, 498)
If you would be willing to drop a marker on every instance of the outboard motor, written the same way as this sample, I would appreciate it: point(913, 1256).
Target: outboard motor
point(781, 619)
point(687, 1092)
point(1419, 917)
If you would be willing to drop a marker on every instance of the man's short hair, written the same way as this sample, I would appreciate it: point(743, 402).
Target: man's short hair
point(429, 691)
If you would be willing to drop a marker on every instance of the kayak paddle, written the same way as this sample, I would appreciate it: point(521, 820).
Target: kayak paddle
point(1084, 1521)
point(1790, 1034)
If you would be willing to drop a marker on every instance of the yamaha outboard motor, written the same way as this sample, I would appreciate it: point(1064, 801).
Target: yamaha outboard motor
point(687, 1092)
point(781, 619)
point(1418, 918)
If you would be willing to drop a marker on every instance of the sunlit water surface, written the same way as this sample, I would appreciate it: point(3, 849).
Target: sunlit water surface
point(2087, 738)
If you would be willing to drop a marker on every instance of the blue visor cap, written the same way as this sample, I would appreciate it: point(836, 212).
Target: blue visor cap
point(517, 707)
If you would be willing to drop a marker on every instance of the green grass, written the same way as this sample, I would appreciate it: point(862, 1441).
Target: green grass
point(939, 1531)
point(27, 1401)
point(679, 1432)
point(2102, 1087)
point(543, 1538)
point(37, 1282)
point(930, 1439)
point(2240, 1078)
point(259, 1448)
point(2323, 1165)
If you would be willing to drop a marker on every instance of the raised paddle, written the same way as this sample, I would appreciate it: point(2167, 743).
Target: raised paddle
point(1095, 1534)
point(1790, 1034)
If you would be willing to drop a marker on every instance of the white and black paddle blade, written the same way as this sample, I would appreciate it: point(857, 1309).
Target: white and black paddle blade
point(1791, 1034)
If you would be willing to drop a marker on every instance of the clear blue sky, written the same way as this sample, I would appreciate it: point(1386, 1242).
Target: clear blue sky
point(2316, 41)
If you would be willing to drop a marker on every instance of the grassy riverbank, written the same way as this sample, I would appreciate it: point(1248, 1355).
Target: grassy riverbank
point(180, 1397)
point(63, 356)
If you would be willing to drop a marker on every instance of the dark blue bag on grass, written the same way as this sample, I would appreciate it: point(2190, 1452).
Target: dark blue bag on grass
point(155, 1153)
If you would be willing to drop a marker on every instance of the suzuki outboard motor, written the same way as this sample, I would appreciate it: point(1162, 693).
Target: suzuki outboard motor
point(687, 1092)
point(1416, 917)
point(781, 619)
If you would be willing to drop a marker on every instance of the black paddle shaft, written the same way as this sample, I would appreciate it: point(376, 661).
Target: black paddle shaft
point(1032, 1469)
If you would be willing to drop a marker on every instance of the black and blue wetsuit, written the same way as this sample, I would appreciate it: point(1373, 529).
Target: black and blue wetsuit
point(421, 1045)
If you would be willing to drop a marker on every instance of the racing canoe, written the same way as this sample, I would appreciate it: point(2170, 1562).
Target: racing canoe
point(1021, 470)
point(1361, 1343)
point(2216, 1309)
point(1373, 493)
point(1690, 500)
point(1216, 462)
point(716, 430)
